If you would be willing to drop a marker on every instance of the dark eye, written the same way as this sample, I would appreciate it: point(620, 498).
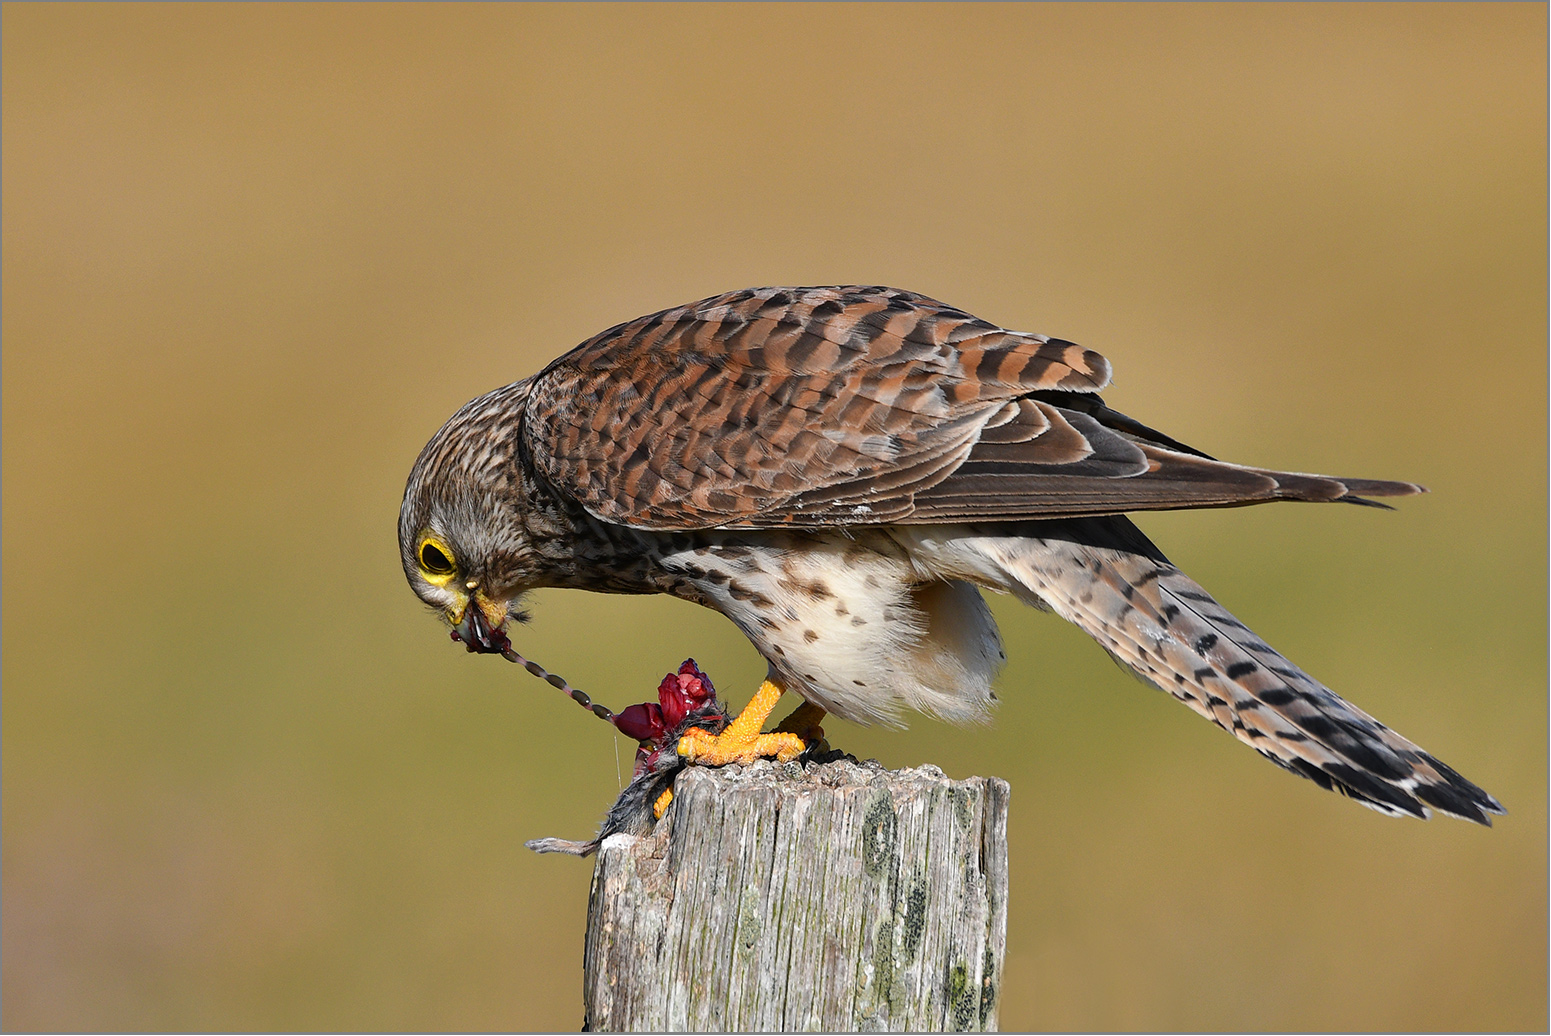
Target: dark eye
point(435, 560)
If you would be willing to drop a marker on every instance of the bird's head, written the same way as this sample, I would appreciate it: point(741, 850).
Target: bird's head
point(463, 529)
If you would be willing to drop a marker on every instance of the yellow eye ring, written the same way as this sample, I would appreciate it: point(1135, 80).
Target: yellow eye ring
point(437, 564)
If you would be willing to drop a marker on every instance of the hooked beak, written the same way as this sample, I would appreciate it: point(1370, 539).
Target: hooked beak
point(481, 626)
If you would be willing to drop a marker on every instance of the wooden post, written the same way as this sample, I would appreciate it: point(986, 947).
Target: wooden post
point(843, 897)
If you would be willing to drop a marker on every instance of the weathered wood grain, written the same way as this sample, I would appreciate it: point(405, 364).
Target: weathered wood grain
point(843, 897)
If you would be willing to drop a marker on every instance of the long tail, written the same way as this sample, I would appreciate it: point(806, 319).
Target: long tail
point(1106, 577)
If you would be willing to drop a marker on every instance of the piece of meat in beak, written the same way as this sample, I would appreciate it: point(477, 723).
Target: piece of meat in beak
point(474, 631)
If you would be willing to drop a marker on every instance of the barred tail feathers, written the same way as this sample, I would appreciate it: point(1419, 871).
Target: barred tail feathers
point(1105, 577)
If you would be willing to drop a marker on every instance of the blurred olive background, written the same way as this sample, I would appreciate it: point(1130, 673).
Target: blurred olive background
point(255, 255)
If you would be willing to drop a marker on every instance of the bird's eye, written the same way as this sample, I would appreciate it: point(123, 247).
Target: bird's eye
point(436, 559)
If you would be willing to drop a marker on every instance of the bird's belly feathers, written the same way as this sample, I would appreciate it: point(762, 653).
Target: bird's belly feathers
point(848, 622)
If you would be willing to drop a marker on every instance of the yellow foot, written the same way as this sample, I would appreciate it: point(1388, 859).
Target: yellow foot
point(742, 742)
point(804, 722)
point(661, 805)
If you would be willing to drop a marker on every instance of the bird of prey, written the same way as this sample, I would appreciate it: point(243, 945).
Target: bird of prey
point(840, 471)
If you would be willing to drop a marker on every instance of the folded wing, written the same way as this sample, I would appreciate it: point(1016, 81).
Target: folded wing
point(859, 405)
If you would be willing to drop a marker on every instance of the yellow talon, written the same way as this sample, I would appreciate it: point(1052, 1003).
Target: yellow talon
point(661, 805)
point(742, 742)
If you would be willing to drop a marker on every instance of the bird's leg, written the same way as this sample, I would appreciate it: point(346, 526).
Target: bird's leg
point(804, 722)
point(661, 805)
point(742, 742)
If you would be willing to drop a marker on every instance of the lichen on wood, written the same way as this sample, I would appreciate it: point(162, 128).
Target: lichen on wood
point(840, 897)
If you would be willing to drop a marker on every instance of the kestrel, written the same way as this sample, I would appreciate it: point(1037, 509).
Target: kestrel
point(840, 471)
